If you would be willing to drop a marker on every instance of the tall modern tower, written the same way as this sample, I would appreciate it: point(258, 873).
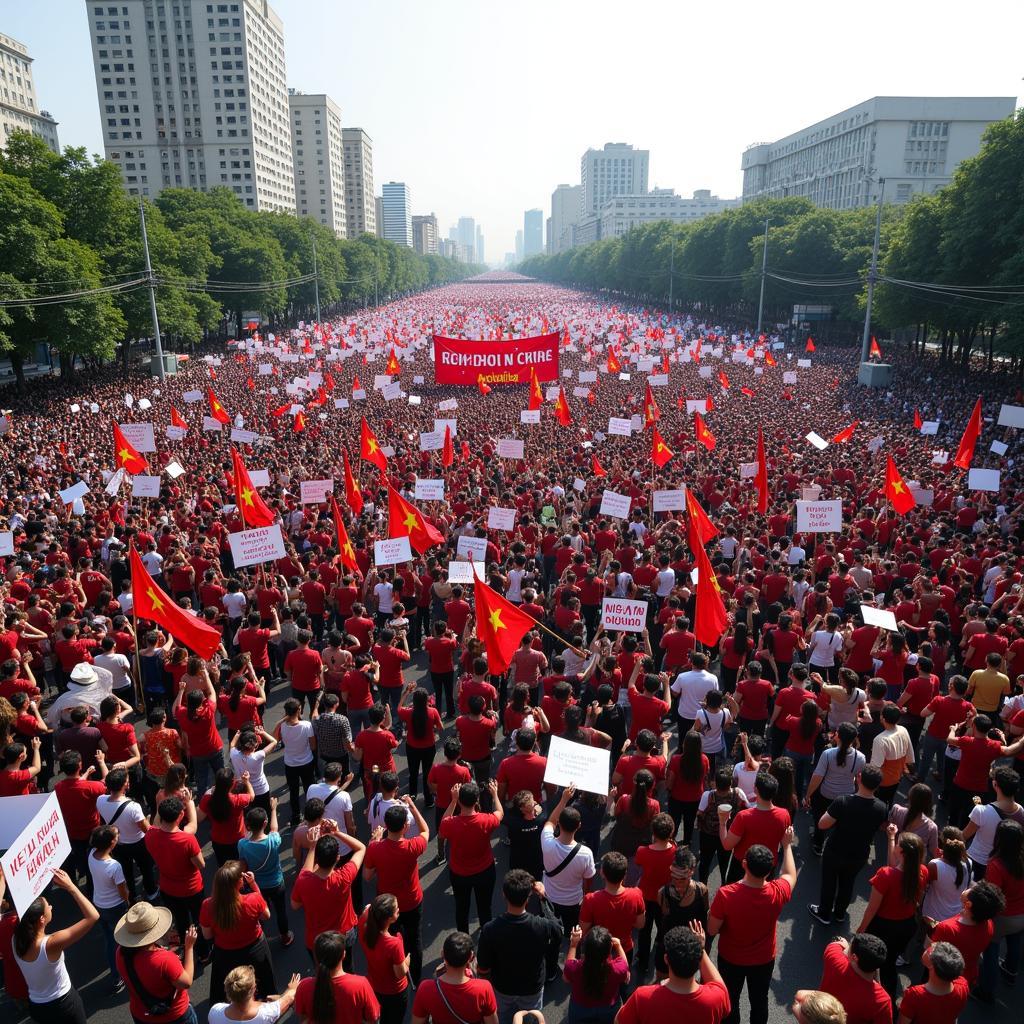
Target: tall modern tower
point(424, 233)
point(616, 170)
point(318, 159)
point(565, 215)
point(396, 204)
point(360, 209)
point(479, 244)
point(194, 95)
point(519, 244)
point(467, 232)
point(533, 232)
point(19, 108)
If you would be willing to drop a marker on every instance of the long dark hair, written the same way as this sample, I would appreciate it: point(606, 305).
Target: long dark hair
point(381, 910)
point(954, 851)
point(1008, 846)
point(920, 804)
point(643, 783)
point(573, 721)
point(226, 898)
point(913, 856)
point(194, 701)
point(174, 778)
point(420, 722)
point(739, 639)
point(220, 798)
point(808, 719)
point(27, 927)
point(691, 764)
point(847, 735)
point(328, 953)
point(237, 685)
point(595, 950)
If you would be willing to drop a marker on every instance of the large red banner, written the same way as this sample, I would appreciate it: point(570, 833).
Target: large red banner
point(495, 362)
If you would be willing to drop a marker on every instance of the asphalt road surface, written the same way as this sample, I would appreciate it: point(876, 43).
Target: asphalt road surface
point(800, 938)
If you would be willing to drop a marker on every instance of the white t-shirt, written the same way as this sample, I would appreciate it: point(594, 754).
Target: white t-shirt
point(385, 594)
point(666, 581)
point(692, 687)
point(379, 806)
point(296, 742)
point(127, 821)
point(795, 555)
point(266, 1013)
point(987, 817)
point(713, 725)
point(566, 888)
point(235, 604)
point(253, 764)
point(152, 561)
point(339, 806)
point(515, 584)
point(744, 803)
point(824, 647)
point(107, 875)
point(743, 778)
point(118, 666)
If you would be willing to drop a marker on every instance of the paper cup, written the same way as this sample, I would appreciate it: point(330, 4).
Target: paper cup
point(724, 809)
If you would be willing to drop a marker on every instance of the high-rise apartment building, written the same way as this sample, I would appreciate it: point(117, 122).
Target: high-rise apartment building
point(378, 215)
point(466, 232)
point(396, 205)
point(424, 233)
point(616, 170)
point(519, 244)
point(914, 143)
point(319, 160)
point(565, 215)
point(480, 244)
point(533, 232)
point(19, 108)
point(360, 209)
point(194, 94)
point(623, 213)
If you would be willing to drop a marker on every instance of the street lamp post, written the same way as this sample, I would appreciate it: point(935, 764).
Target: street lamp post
point(764, 268)
point(872, 276)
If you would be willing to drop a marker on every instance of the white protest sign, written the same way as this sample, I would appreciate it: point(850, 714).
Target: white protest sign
point(6, 543)
point(618, 427)
point(636, 422)
point(448, 405)
point(529, 415)
point(670, 500)
point(139, 436)
point(418, 379)
point(587, 376)
point(250, 547)
point(579, 392)
point(551, 393)
point(658, 380)
point(510, 448)
point(175, 433)
point(392, 391)
point(266, 369)
point(817, 440)
point(341, 403)
point(789, 377)
point(40, 847)
point(77, 490)
point(210, 425)
point(474, 547)
point(192, 396)
point(705, 371)
point(879, 617)
point(748, 470)
point(579, 484)
point(144, 404)
point(983, 480)
point(696, 405)
point(145, 487)
point(392, 552)
point(804, 363)
point(921, 497)
point(623, 376)
point(586, 768)
point(930, 427)
point(501, 519)
point(998, 447)
point(452, 424)
point(75, 407)
point(875, 444)
point(819, 516)
point(810, 493)
point(359, 394)
point(415, 400)
point(615, 505)
point(1011, 416)
point(174, 469)
point(463, 572)
point(114, 483)
point(244, 436)
point(259, 477)
point(939, 458)
point(312, 492)
point(625, 616)
point(429, 490)
point(431, 440)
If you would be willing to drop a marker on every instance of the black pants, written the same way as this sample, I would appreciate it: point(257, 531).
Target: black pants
point(710, 847)
point(837, 880)
point(896, 934)
point(464, 888)
point(80, 864)
point(444, 687)
point(185, 911)
point(276, 898)
point(481, 776)
point(758, 979)
point(66, 1010)
point(130, 856)
point(643, 939)
point(305, 695)
point(392, 1007)
point(819, 805)
point(684, 812)
point(409, 925)
point(420, 759)
point(223, 852)
point(256, 956)
point(296, 774)
point(961, 802)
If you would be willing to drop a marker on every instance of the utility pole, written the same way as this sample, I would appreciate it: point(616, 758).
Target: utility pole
point(316, 282)
point(872, 276)
point(152, 293)
point(671, 269)
point(764, 269)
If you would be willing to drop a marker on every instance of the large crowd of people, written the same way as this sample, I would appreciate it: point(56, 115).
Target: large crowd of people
point(351, 768)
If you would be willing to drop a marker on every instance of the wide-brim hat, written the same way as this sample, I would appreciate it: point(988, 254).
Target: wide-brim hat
point(142, 925)
point(84, 673)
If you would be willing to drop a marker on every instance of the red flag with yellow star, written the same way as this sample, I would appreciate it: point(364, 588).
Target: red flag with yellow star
point(151, 603)
point(704, 436)
point(345, 549)
point(177, 420)
point(846, 433)
point(369, 447)
point(596, 467)
point(217, 411)
point(536, 394)
point(896, 491)
point(251, 507)
point(406, 520)
point(660, 452)
point(353, 494)
point(500, 625)
point(613, 364)
point(651, 411)
point(393, 367)
point(706, 530)
point(709, 617)
point(126, 457)
point(562, 413)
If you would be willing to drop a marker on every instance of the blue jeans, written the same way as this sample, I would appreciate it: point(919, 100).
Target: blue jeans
point(508, 1005)
point(591, 1014)
point(931, 747)
point(1012, 930)
point(803, 765)
point(359, 720)
point(109, 916)
point(205, 768)
point(188, 1017)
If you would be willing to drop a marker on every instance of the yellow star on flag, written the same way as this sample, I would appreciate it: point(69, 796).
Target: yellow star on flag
point(123, 454)
point(247, 496)
point(496, 622)
point(158, 603)
point(348, 550)
point(372, 445)
point(411, 520)
point(661, 447)
point(897, 487)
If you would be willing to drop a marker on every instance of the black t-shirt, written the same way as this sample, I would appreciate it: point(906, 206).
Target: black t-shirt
point(857, 821)
point(513, 950)
point(524, 843)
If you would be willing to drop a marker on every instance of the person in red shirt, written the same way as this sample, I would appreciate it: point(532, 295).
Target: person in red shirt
point(744, 915)
point(15, 779)
point(681, 997)
point(324, 889)
point(977, 753)
point(524, 769)
point(453, 995)
point(753, 693)
point(457, 612)
point(617, 907)
point(942, 998)
point(945, 712)
point(305, 670)
point(314, 593)
point(390, 658)
point(470, 858)
point(77, 794)
point(527, 665)
point(349, 998)
point(850, 973)
point(655, 862)
point(226, 810)
point(394, 861)
point(644, 758)
point(477, 684)
point(254, 640)
point(678, 644)
point(440, 650)
point(387, 965)
point(919, 693)
point(360, 626)
point(374, 747)
point(441, 779)
point(763, 824)
point(476, 731)
point(972, 929)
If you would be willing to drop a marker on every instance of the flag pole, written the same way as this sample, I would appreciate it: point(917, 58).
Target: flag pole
point(135, 627)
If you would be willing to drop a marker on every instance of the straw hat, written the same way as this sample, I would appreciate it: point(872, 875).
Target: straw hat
point(84, 674)
point(142, 925)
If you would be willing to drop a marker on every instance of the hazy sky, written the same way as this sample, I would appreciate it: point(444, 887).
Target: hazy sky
point(484, 107)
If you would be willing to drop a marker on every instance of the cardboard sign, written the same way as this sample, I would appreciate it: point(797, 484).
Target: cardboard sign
point(983, 480)
point(259, 477)
point(139, 436)
point(930, 427)
point(510, 448)
point(174, 469)
point(39, 849)
point(615, 505)
point(429, 490)
point(250, 547)
point(244, 436)
point(501, 519)
point(463, 572)
point(696, 405)
point(804, 364)
point(624, 616)
point(817, 440)
point(472, 547)
point(192, 396)
point(145, 487)
point(313, 492)
point(431, 440)
point(77, 490)
point(393, 551)
point(6, 543)
point(670, 500)
point(619, 427)
point(529, 415)
point(879, 617)
point(998, 447)
point(587, 376)
point(212, 426)
point(1011, 416)
point(819, 516)
point(175, 433)
point(587, 768)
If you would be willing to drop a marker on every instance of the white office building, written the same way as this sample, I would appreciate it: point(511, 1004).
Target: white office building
point(566, 202)
point(533, 232)
point(319, 160)
point(360, 208)
point(396, 207)
point(616, 170)
point(19, 108)
point(194, 95)
point(623, 213)
point(913, 142)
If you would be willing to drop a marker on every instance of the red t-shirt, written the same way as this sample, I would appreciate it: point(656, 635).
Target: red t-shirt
point(472, 687)
point(523, 771)
point(202, 732)
point(1012, 888)
point(617, 912)
point(923, 1007)
point(648, 711)
point(376, 745)
point(247, 928)
point(688, 791)
point(755, 826)
point(246, 712)
point(158, 970)
point(471, 1001)
point(750, 915)
point(457, 613)
point(426, 741)
point(629, 764)
point(326, 901)
point(971, 939)
point(469, 839)
point(797, 741)
point(708, 1004)
point(864, 1000)
point(305, 666)
point(790, 699)
point(947, 711)
point(390, 660)
point(976, 756)
point(354, 999)
point(678, 645)
point(395, 861)
point(921, 689)
point(254, 642)
point(120, 738)
point(440, 650)
point(476, 736)
point(15, 782)
point(77, 799)
point(173, 853)
point(755, 693)
point(889, 882)
point(231, 828)
point(444, 776)
point(654, 865)
point(387, 953)
point(357, 688)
